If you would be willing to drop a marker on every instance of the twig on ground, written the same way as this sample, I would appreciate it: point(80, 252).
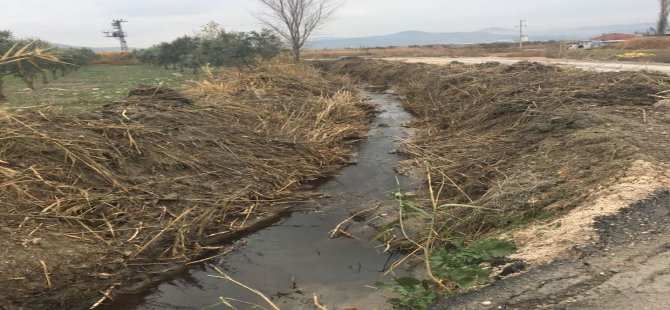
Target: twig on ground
point(210, 258)
point(338, 229)
point(46, 273)
point(105, 295)
point(253, 290)
point(315, 298)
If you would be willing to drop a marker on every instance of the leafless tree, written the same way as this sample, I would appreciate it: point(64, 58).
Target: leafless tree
point(662, 26)
point(296, 20)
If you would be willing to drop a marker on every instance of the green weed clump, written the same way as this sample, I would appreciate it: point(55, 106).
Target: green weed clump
point(457, 264)
point(451, 264)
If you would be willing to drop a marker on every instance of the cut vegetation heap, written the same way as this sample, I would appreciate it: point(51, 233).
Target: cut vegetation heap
point(92, 200)
point(525, 141)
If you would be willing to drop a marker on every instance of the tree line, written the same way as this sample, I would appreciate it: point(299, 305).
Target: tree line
point(43, 69)
point(213, 46)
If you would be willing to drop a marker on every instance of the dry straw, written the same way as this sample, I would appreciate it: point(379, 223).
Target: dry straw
point(158, 175)
point(527, 140)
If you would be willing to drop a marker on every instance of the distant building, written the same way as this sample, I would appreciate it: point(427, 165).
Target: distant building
point(585, 45)
point(603, 40)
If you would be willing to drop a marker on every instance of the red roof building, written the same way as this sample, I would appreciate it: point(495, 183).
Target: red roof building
point(615, 37)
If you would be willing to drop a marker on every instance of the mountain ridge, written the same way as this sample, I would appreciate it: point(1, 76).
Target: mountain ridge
point(486, 35)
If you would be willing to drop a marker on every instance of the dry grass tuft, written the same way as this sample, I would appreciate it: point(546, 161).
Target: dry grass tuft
point(533, 49)
point(643, 43)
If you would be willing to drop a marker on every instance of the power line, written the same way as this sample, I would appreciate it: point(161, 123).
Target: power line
point(118, 33)
point(522, 37)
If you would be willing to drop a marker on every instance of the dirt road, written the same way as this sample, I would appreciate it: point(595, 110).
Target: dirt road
point(629, 268)
point(586, 65)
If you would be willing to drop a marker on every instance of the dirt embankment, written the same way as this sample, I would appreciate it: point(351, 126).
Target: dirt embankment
point(626, 269)
point(528, 140)
point(95, 202)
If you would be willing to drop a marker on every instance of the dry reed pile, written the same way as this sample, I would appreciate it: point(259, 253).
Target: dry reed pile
point(526, 140)
point(156, 176)
point(532, 49)
point(643, 43)
point(405, 51)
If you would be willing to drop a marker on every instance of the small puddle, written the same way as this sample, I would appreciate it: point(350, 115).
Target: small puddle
point(295, 258)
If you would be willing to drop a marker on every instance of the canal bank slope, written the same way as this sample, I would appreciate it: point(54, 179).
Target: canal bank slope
point(549, 151)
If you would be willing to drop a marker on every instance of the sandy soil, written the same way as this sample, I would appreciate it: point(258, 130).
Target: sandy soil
point(557, 239)
point(626, 269)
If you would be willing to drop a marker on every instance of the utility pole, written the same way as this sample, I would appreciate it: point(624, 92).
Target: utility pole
point(118, 33)
point(522, 37)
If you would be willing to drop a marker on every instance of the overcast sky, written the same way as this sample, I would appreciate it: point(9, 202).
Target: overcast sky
point(80, 22)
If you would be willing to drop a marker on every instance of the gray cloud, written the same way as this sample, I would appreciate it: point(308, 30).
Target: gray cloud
point(166, 8)
point(80, 22)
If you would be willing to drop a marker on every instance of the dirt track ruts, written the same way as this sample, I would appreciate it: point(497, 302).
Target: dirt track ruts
point(629, 268)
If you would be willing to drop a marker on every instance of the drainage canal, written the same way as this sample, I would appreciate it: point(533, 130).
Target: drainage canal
point(295, 258)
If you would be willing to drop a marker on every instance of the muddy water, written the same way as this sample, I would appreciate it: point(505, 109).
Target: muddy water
point(295, 258)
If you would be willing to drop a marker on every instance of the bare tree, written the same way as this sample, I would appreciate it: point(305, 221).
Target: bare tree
point(296, 20)
point(662, 26)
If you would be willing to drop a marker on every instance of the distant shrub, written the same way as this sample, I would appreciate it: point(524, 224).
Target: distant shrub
point(553, 50)
point(661, 56)
point(213, 46)
point(115, 58)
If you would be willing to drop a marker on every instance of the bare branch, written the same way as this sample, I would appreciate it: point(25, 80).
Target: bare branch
point(296, 20)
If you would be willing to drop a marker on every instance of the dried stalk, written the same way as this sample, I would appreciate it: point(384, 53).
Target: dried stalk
point(255, 291)
point(46, 273)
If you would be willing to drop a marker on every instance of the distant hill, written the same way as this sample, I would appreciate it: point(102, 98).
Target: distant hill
point(501, 31)
point(407, 38)
point(95, 49)
point(487, 35)
point(584, 33)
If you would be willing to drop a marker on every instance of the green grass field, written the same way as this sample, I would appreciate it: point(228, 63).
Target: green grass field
point(89, 87)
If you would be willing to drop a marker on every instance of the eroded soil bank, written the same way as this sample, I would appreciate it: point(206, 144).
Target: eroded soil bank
point(556, 155)
point(528, 141)
point(98, 203)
